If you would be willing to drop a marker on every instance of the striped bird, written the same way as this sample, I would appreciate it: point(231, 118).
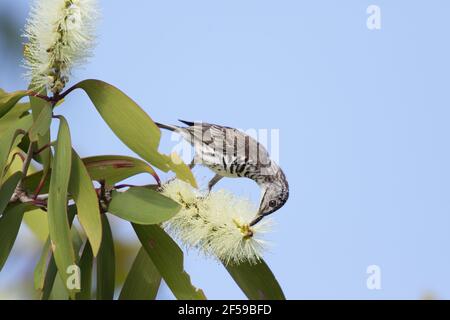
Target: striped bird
point(231, 153)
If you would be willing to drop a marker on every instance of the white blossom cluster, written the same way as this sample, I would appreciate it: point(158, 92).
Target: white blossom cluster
point(216, 223)
point(60, 35)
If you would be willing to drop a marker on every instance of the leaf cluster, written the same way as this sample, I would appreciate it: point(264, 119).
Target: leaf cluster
point(67, 187)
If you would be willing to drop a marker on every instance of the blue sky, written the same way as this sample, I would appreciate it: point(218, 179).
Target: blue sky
point(363, 118)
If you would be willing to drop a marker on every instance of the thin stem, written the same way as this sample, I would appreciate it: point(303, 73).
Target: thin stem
point(15, 154)
point(27, 162)
point(40, 185)
point(43, 148)
point(20, 193)
point(56, 98)
point(65, 93)
point(41, 96)
point(104, 196)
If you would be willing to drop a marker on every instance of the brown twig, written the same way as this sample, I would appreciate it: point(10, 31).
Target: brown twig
point(26, 163)
point(38, 151)
point(40, 185)
point(54, 99)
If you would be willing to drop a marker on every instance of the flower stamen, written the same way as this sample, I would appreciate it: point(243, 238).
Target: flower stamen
point(216, 223)
point(60, 36)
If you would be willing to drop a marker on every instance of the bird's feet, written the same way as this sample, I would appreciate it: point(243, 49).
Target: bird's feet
point(213, 182)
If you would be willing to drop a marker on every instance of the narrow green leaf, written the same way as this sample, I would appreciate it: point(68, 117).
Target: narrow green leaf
point(6, 141)
point(142, 281)
point(12, 116)
point(10, 138)
point(128, 121)
point(7, 190)
point(86, 200)
point(41, 124)
point(256, 281)
point(14, 163)
point(86, 261)
point(132, 125)
point(168, 259)
point(183, 172)
point(40, 269)
point(106, 264)
point(9, 227)
point(113, 169)
point(59, 290)
point(9, 100)
point(36, 221)
point(143, 206)
point(48, 277)
point(77, 241)
point(58, 222)
point(37, 106)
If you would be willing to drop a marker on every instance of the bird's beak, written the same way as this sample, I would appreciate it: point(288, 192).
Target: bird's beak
point(256, 220)
point(259, 215)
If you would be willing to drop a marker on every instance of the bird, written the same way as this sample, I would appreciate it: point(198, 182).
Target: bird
point(229, 152)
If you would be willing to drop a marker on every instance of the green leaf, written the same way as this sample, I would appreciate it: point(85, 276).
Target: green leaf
point(86, 261)
point(9, 227)
point(168, 259)
point(58, 222)
point(32, 181)
point(76, 240)
point(7, 190)
point(143, 206)
point(256, 281)
point(9, 100)
point(113, 169)
point(39, 270)
point(36, 221)
point(10, 138)
point(143, 280)
point(183, 172)
point(12, 116)
point(132, 125)
point(37, 106)
point(128, 121)
point(49, 279)
point(86, 200)
point(59, 290)
point(106, 264)
point(45, 279)
point(41, 124)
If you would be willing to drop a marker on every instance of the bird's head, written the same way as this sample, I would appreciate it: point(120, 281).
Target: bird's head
point(275, 193)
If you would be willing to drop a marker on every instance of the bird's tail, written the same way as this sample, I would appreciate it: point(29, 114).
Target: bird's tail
point(167, 127)
point(174, 128)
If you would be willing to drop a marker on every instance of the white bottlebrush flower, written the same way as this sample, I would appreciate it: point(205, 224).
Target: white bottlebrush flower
point(60, 36)
point(216, 223)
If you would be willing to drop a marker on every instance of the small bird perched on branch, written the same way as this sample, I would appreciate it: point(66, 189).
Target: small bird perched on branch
point(231, 153)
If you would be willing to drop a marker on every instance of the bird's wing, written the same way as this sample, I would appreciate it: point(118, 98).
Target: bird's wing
point(232, 143)
point(241, 146)
point(203, 133)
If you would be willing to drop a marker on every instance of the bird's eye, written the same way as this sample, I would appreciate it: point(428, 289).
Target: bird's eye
point(272, 203)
